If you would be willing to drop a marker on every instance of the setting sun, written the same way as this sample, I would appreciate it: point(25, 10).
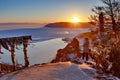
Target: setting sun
point(75, 19)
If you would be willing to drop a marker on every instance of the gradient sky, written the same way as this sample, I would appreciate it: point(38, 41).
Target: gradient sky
point(45, 10)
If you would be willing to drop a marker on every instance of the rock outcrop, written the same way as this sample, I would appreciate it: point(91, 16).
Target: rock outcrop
point(70, 53)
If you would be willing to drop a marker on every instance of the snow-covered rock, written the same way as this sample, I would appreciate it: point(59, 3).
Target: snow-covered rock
point(71, 52)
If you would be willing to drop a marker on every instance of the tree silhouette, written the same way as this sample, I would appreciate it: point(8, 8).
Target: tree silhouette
point(111, 9)
point(97, 10)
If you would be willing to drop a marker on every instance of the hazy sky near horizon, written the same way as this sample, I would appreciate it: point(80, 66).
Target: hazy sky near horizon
point(43, 11)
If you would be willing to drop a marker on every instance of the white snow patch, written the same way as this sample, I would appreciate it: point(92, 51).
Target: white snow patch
point(84, 65)
point(71, 56)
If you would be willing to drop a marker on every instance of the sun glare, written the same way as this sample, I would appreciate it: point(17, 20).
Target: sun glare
point(75, 19)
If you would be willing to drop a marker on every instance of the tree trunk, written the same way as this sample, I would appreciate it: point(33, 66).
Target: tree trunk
point(112, 15)
point(13, 57)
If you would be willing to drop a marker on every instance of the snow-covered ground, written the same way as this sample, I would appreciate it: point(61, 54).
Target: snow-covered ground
point(53, 71)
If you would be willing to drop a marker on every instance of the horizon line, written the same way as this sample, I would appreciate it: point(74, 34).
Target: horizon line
point(39, 22)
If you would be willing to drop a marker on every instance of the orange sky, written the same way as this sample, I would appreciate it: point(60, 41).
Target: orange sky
point(42, 11)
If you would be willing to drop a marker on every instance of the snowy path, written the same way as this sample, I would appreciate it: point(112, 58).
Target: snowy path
point(55, 71)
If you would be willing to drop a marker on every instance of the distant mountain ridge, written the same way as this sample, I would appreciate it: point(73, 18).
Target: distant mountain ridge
point(69, 25)
point(7, 26)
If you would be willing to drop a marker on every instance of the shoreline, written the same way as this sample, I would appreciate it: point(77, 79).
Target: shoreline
point(33, 52)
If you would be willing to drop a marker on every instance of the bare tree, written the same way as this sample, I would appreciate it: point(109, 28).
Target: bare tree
point(95, 18)
point(111, 9)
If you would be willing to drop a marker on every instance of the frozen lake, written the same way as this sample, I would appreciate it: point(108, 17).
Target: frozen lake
point(46, 42)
